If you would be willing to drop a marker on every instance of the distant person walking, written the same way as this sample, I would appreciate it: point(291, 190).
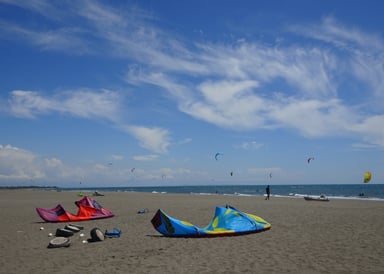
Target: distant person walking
point(268, 192)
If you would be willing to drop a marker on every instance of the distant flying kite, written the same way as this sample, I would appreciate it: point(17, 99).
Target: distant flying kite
point(367, 176)
point(310, 159)
point(217, 155)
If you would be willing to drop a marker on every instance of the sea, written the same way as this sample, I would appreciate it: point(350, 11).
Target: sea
point(332, 191)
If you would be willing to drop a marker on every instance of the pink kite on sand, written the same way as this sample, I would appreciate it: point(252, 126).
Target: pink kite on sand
point(89, 209)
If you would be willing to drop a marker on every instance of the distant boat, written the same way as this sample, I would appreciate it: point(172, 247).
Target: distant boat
point(321, 198)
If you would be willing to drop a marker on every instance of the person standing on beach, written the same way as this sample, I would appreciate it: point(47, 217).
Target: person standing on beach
point(267, 190)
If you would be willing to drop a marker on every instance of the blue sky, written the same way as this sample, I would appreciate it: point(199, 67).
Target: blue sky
point(138, 93)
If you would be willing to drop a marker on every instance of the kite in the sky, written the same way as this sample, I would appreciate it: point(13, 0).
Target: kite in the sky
point(310, 159)
point(217, 155)
point(231, 173)
point(367, 176)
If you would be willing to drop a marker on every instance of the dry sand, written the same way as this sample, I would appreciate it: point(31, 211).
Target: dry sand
point(340, 236)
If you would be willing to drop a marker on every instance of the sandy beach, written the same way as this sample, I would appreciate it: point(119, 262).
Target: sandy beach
point(340, 236)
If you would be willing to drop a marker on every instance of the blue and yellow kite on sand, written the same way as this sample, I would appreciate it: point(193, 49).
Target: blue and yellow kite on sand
point(227, 221)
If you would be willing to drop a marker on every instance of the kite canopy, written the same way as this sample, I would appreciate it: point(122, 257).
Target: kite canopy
point(310, 159)
point(227, 221)
point(217, 155)
point(367, 176)
point(89, 209)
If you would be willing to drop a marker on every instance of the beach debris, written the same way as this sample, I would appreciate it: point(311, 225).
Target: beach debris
point(96, 193)
point(72, 228)
point(97, 235)
point(84, 241)
point(59, 242)
point(115, 233)
point(142, 211)
point(81, 235)
point(50, 234)
point(41, 228)
point(62, 232)
point(78, 226)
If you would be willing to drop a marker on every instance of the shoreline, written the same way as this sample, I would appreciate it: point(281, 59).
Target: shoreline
point(90, 191)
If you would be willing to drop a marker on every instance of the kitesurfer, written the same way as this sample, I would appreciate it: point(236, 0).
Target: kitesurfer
point(267, 191)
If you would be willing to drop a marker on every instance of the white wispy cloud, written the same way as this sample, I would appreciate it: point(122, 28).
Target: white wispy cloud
point(150, 157)
point(85, 103)
point(64, 39)
point(362, 52)
point(312, 85)
point(152, 138)
point(314, 118)
point(185, 141)
point(42, 7)
point(371, 129)
point(117, 157)
point(228, 104)
point(240, 86)
point(251, 145)
point(334, 32)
